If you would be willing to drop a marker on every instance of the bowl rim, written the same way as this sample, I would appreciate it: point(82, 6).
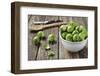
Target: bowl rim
point(71, 41)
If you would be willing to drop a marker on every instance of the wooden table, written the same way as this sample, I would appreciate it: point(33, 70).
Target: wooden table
point(39, 52)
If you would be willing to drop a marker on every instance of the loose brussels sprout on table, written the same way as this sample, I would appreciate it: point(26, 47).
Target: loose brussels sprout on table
point(36, 40)
point(40, 34)
point(51, 54)
point(73, 32)
point(51, 38)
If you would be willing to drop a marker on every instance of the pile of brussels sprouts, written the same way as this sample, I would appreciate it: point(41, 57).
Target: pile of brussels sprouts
point(73, 32)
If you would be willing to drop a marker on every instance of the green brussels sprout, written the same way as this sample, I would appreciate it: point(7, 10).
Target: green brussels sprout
point(63, 34)
point(70, 29)
point(82, 36)
point(51, 38)
point(77, 28)
point(63, 28)
point(75, 32)
point(72, 23)
point(75, 37)
point(82, 28)
point(40, 34)
point(69, 37)
point(51, 53)
point(36, 40)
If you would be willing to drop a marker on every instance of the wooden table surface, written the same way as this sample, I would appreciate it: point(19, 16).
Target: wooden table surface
point(39, 52)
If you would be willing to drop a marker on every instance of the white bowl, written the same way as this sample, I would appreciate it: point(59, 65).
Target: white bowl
point(73, 46)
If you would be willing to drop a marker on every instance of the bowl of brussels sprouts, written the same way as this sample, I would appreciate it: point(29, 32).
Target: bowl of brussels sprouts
point(73, 36)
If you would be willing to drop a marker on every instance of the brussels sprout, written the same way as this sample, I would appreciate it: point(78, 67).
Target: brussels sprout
point(75, 32)
point(63, 28)
point(63, 34)
point(75, 37)
point(51, 38)
point(51, 53)
point(77, 28)
point(40, 34)
point(72, 23)
point(81, 28)
point(82, 36)
point(69, 37)
point(70, 29)
point(36, 40)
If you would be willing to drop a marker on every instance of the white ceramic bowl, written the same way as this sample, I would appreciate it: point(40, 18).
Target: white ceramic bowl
point(73, 46)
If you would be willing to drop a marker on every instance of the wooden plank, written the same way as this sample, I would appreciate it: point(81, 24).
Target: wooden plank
point(32, 48)
point(82, 21)
point(54, 47)
point(64, 53)
point(84, 52)
point(42, 53)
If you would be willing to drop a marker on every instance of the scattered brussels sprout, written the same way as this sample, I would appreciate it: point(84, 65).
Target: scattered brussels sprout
point(51, 38)
point(70, 29)
point(69, 37)
point(64, 35)
point(75, 37)
point(51, 53)
point(47, 47)
point(73, 32)
point(63, 28)
point(36, 40)
point(40, 34)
